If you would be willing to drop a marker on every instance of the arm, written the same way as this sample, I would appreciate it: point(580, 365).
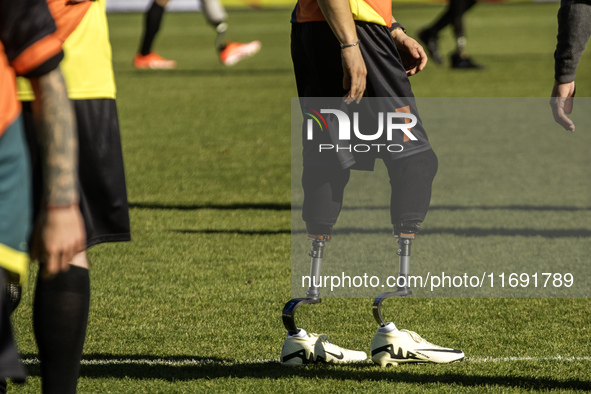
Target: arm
point(339, 17)
point(574, 30)
point(27, 30)
point(414, 58)
point(58, 234)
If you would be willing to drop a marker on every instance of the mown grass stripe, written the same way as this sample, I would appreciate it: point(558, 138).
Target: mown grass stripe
point(198, 362)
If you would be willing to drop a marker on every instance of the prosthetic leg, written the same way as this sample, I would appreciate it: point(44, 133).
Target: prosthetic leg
point(411, 180)
point(403, 290)
point(391, 346)
point(300, 347)
point(313, 293)
point(216, 15)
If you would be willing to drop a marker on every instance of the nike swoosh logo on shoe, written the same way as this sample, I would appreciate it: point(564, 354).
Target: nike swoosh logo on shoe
point(337, 356)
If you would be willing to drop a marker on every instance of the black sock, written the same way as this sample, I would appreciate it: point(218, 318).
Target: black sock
point(60, 316)
point(153, 18)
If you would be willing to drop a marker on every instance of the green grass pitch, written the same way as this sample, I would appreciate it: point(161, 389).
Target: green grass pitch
point(194, 303)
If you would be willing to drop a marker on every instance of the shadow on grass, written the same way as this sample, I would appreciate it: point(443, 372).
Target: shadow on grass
point(465, 232)
point(482, 232)
point(186, 368)
point(237, 232)
point(206, 72)
point(237, 206)
point(288, 206)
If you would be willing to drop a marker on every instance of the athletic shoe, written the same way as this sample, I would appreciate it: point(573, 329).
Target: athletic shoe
point(430, 41)
point(464, 62)
point(235, 52)
point(328, 352)
point(403, 346)
point(153, 61)
point(309, 348)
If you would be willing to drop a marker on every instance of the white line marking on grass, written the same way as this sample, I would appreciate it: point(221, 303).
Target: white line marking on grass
point(166, 362)
point(200, 362)
point(534, 359)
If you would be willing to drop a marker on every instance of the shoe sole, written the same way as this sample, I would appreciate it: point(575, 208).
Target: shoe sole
point(154, 68)
point(385, 361)
point(149, 67)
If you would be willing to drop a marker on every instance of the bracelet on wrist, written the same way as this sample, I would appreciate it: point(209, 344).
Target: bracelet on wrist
point(55, 207)
point(395, 26)
point(343, 46)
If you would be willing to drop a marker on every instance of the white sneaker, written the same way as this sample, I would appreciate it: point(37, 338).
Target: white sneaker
point(307, 348)
point(328, 352)
point(403, 346)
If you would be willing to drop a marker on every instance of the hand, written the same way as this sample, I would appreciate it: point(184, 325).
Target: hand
point(354, 73)
point(58, 236)
point(562, 103)
point(414, 58)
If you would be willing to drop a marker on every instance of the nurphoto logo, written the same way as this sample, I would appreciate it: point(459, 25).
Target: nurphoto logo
point(387, 122)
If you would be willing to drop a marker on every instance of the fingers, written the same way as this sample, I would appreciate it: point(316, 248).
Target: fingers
point(569, 103)
point(558, 111)
point(356, 91)
point(413, 55)
point(51, 267)
point(423, 57)
point(562, 104)
point(58, 237)
point(346, 80)
point(566, 123)
point(58, 260)
point(354, 74)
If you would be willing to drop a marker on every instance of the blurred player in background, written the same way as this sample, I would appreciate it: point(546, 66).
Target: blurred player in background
point(230, 53)
point(338, 53)
point(574, 30)
point(454, 15)
point(62, 296)
point(29, 47)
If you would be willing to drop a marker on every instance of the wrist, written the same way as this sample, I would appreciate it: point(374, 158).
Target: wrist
point(396, 29)
point(353, 44)
point(50, 207)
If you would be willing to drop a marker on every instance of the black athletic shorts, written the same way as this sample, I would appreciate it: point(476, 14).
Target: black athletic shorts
point(103, 194)
point(316, 56)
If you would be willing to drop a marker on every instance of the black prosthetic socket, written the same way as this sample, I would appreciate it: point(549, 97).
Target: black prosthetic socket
point(60, 317)
point(319, 229)
point(407, 227)
point(411, 179)
point(153, 19)
point(323, 197)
